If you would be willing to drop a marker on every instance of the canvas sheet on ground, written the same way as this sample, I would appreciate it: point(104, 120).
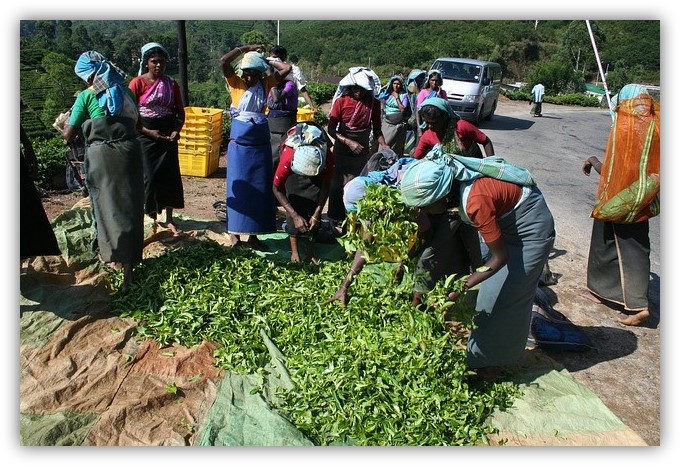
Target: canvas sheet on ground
point(87, 379)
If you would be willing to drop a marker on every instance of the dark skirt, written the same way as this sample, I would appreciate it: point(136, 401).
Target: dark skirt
point(303, 193)
point(348, 166)
point(618, 263)
point(250, 200)
point(115, 181)
point(279, 124)
point(162, 179)
point(36, 236)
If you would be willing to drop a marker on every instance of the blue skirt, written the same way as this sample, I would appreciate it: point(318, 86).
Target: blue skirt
point(250, 200)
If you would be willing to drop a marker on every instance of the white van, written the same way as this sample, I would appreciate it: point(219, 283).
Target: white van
point(472, 86)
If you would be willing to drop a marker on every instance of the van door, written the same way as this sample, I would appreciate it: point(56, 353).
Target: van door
point(491, 80)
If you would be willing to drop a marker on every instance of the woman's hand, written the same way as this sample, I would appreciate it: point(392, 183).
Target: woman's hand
point(354, 146)
point(453, 296)
point(174, 136)
point(340, 295)
point(300, 223)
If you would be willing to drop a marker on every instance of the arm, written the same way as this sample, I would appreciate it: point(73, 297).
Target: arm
point(299, 222)
point(341, 295)
point(227, 58)
point(488, 147)
point(179, 113)
point(308, 99)
point(499, 257)
point(282, 69)
point(592, 162)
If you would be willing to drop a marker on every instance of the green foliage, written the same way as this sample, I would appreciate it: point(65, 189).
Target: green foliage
point(378, 372)
point(579, 99)
point(209, 94)
point(51, 155)
point(382, 228)
point(321, 92)
point(557, 77)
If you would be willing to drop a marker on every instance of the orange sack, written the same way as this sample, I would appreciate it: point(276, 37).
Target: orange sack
point(629, 189)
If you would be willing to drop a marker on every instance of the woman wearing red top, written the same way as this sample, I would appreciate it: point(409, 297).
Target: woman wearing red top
point(445, 127)
point(517, 225)
point(354, 115)
point(302, 182)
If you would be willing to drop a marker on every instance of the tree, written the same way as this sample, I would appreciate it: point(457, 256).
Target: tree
point(60, 84)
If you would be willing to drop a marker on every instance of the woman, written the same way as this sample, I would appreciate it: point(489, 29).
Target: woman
point(36, 237)
point(282, 103)
point(443, 126)
point(302, 182)
point(396, 112)
point(107, 114)
point(618, 260)
point(504, 204)
point(250, 201)
point(162, 114)
point(432, 88)
point(354, 114)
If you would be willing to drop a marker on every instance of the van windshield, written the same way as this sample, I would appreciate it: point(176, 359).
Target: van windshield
point(459, 71)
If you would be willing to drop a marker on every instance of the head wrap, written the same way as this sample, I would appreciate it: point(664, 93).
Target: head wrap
point(310, 143)
point(388, 89)
point(415, 74)
point(441, 104)
point(355, 190)
point(629, 91)
point(147, 49)
point(424, 182)
point(107, 80)
point(433, 72)
point(253, 61)
point(358, 76)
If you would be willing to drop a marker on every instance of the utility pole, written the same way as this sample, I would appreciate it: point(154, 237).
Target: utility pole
point(182, 52)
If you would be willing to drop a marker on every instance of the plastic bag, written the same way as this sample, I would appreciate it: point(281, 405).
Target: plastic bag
point(629, 180)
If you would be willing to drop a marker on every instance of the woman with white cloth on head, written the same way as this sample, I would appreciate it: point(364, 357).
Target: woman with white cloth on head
point(355, 113)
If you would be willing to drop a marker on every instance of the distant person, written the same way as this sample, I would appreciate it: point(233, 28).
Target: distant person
point(537, 93)
point(302, 182)
point(282, 107)
point(396, 112)
point(162, 114)
point(36, 236)
point(441, 125)
point(250, 200)
point(297, 75)
point(414, 83)
point(618, 260)
point(431, 88)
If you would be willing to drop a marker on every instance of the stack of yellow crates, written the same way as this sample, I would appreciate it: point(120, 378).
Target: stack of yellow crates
point(200, 141)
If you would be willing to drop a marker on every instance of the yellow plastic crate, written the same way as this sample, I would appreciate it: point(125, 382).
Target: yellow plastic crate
point(305, 114)
point(202, 160)
point(203, 115)
point(198, 147)
point(198, 134)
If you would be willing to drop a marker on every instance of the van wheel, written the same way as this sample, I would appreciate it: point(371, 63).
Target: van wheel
point(493, 111)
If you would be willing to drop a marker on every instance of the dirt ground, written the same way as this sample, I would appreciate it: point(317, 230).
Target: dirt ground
point(625, 369)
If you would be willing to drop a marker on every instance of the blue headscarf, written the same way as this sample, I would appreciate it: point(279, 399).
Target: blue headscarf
point(107, 80)
point(629, 91)
point(147, 49)
point(441, 104)
point(387, 91)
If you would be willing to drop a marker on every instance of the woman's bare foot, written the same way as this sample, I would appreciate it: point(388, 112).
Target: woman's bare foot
point(114, 265)
point(170, 225)
point(636, 319)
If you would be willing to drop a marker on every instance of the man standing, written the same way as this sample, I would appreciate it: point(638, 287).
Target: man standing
point(537, 93)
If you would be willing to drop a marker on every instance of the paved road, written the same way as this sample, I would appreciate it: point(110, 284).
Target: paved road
point(554, 147)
